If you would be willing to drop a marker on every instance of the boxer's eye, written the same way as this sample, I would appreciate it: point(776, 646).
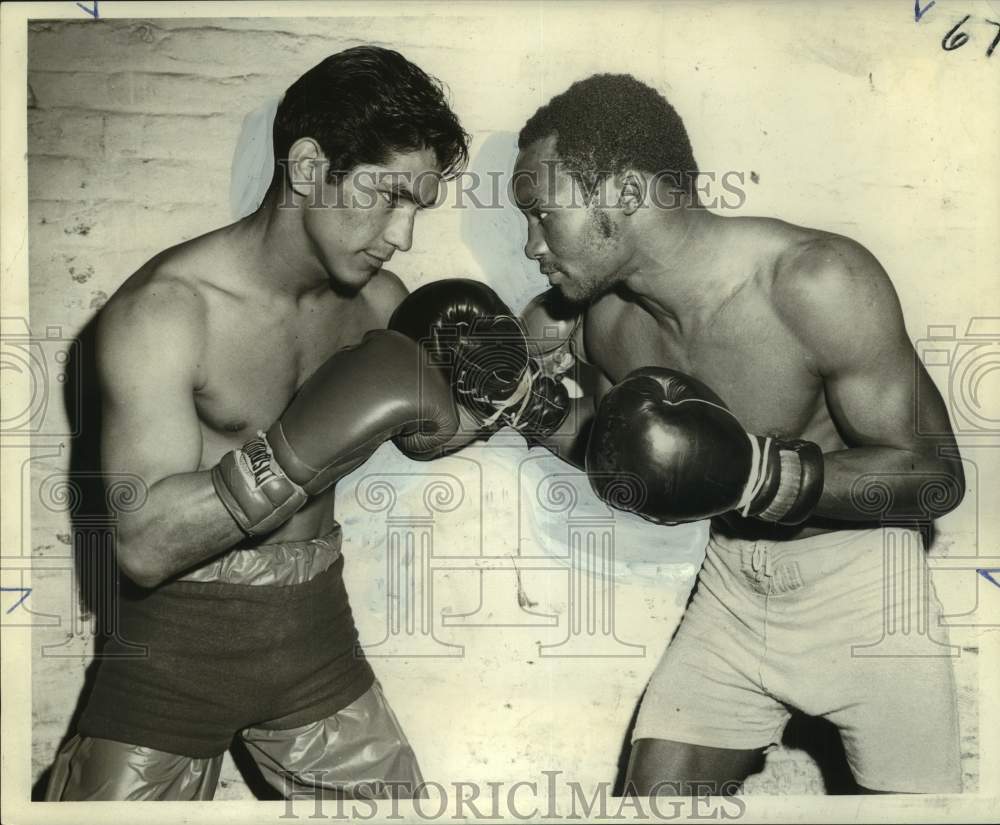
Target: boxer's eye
point(391, 199)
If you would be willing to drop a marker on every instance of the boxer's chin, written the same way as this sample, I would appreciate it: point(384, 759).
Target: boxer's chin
point(350, 282)
point(571, 291)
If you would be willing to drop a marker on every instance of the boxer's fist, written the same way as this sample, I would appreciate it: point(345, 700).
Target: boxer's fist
point(553, 327)
point(468, 330)
point(665, 446)
point(255, 489)
point(362, 396)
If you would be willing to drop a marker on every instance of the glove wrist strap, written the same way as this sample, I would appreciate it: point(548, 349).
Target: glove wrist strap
point(758, 473)
point(796, 485)
point(254, 489)
point(789, 486)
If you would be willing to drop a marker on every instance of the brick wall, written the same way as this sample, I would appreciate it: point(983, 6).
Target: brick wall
point(132, 125)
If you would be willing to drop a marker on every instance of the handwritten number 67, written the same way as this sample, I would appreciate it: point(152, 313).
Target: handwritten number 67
point(955, 39)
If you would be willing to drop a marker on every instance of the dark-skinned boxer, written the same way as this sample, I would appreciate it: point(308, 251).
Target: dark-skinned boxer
point(783, 384)
point(799, 333)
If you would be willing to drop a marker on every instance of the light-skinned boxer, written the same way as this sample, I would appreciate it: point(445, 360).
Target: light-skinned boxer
point(242, 374)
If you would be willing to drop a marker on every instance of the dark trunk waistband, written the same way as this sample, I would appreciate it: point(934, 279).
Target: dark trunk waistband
point(221, 657)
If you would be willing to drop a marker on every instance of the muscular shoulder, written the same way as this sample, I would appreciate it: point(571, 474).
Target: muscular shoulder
point(836, 298)
point(384, 292)
point(158, 316)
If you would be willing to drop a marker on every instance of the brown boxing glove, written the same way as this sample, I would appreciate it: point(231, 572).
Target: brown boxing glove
point(359, 398)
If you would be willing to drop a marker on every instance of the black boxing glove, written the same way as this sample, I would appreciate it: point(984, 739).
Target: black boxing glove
point(470, 332)
point(360, 397)
point(665, 446)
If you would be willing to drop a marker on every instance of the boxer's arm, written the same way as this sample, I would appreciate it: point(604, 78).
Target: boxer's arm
point(840, 303)
point(148, 345)
point(555, 333)
point(569, 442)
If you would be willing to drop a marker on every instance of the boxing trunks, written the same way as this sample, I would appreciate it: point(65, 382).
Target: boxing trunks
point(221, 657)
point(259, 642)
point(844, 625)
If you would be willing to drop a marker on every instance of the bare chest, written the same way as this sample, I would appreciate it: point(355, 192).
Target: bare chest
point(748, 358)
point(254, 360)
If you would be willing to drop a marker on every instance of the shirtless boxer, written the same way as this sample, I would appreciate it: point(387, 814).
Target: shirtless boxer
point(204, 356)
point(800, 333)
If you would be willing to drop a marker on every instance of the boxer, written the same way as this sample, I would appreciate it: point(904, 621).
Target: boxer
point(242, 374)
point(758, 374)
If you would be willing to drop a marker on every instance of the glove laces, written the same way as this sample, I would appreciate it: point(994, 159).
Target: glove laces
point(519, 399)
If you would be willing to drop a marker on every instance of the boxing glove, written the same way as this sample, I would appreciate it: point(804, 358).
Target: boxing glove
point(360, 397)
point(552, 326)
point(469, 332)
point(665, 446)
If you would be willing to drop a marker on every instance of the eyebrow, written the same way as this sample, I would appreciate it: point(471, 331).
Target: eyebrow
point(402, 191)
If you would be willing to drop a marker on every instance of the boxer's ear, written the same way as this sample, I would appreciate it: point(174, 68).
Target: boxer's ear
point(306, 168)
point(633, 192)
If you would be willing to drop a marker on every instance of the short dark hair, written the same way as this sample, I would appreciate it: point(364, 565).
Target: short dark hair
point(611, 122)
point(362, 105)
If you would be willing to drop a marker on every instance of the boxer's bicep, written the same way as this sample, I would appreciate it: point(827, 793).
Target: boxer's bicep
point(877, 402)
point(841, 305)
point(872, 402)
point(146, 364)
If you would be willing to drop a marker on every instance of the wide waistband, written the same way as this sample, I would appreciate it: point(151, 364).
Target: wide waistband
point(821, 541)
point(857, 560)
point(279, 564)
point(195, 662)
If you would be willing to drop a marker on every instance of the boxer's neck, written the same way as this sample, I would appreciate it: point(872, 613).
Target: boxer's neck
point(276, 243)
point(682, 271)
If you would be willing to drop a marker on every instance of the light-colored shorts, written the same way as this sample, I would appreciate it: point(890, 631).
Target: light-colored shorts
point(359, 752)
point(844, 626)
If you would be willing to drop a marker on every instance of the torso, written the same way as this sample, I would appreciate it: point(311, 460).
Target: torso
point(258, 347)
point(256, 355)
point(745, 353)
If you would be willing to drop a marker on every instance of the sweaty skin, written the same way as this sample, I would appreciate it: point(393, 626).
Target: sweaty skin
point(207, 342)
point(799, 331)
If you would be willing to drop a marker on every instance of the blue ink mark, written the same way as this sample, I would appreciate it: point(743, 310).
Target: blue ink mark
point(94, 13)
point(917, 11)
point(19, 602)
point(985, 573)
